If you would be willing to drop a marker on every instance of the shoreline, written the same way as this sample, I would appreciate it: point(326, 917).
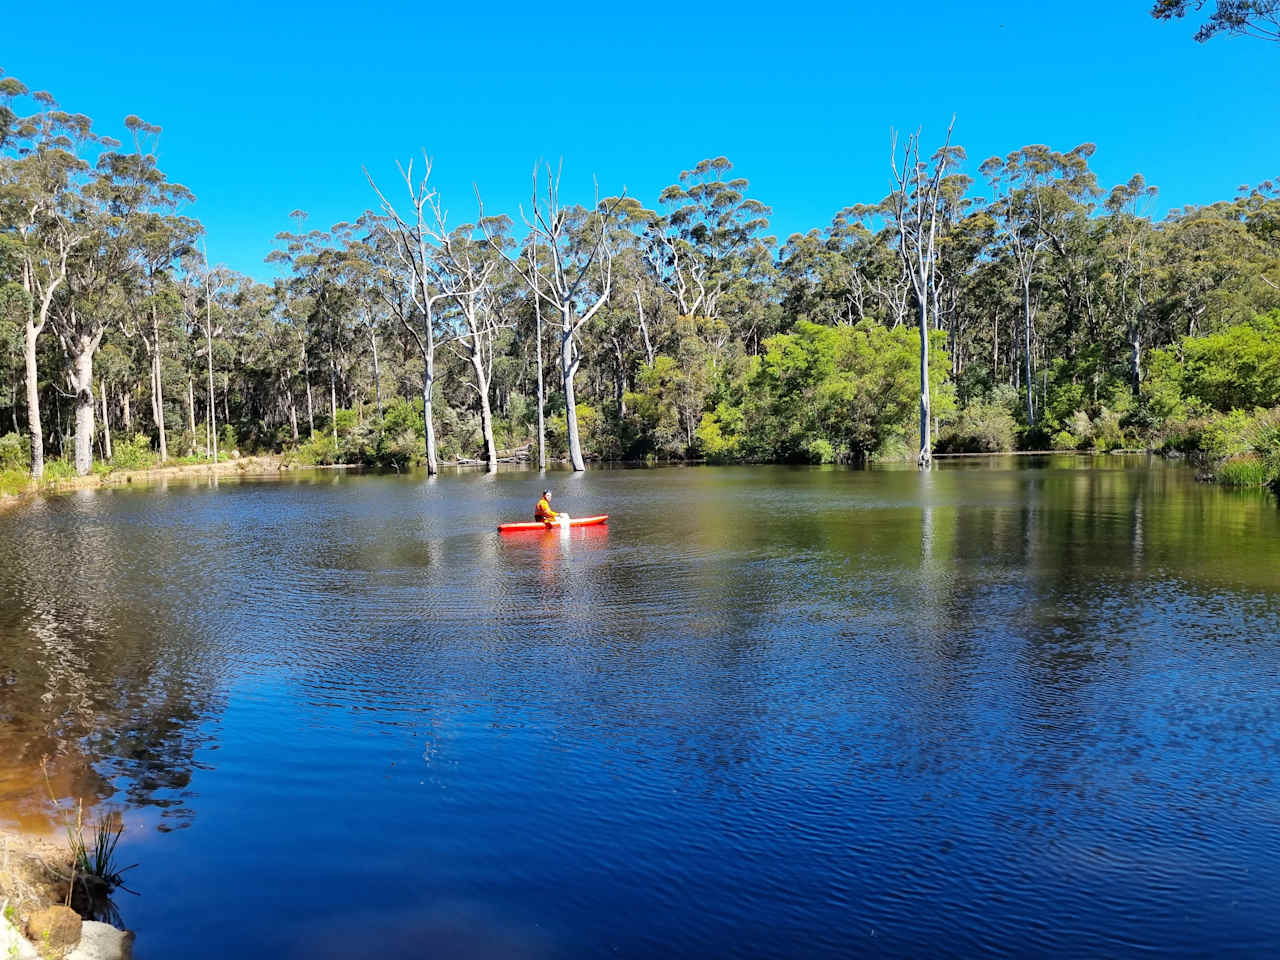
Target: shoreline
point(252, 466)
point(37, 923)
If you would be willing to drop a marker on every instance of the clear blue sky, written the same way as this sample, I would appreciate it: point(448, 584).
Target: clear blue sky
point(270, 108)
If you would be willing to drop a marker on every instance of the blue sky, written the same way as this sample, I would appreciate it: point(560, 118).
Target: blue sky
point(270, 108)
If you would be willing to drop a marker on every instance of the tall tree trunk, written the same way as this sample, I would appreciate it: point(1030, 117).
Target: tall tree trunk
point(293, 407)
point(128, 414)
point(569, 369)
point(157, 386)
point(306, 370)
point(486, 414)
point(926, 439)
point(333, 402)
point(106, 421)
point(1135, 359)
point(33, 399)
point(191, 407)
point(226, 397)
point(377, 375)
point(428, 386)
point(213, 405)
point(542, 399)
point(82, 386)
point(1026, 315)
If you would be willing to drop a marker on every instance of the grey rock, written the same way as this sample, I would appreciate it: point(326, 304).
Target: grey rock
point(101, 941)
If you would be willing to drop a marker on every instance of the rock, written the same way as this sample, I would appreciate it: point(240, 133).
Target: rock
point(101, 941)
point(54, 929)
point(12, 942)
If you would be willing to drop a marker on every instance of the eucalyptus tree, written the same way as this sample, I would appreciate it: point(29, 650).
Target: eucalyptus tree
point(411, 243)
point(711, 237)
point(469, 271)
point(1035, 191)
point(320, 298)
point(573, 282)
point(914, 206)
point(128, 203)
point(1240, 18)
point(1129, 249)
point(42, 178)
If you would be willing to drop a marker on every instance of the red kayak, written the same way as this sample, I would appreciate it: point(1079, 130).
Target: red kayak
point(539, 525)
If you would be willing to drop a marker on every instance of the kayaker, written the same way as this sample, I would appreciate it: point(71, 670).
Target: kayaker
point(543, 511)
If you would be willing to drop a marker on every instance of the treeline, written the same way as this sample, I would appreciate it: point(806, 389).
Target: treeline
point(1059, 314)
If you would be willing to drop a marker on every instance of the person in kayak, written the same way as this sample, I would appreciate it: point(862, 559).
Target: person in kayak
point(543, 511)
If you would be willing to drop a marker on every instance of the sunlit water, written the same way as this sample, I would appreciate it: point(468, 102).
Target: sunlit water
point(1022, 708)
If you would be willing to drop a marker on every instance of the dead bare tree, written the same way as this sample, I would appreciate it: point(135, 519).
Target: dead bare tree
point(412, 237)
point(913, 207)
point(575, 284)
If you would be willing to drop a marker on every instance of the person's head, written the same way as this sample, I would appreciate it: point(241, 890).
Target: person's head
point(547, 494)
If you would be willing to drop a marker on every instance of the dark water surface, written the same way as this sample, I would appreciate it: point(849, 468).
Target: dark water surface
point(1018, 708)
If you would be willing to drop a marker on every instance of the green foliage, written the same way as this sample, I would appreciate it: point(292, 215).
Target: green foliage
point(319, 451)
point(827, 394)
point(1107, 432)
point(133, 453)
point(1238, 367)
point(15, 452)
point(1065, 440)
point(14, 481)
point(1246, 470)
point(982, 427)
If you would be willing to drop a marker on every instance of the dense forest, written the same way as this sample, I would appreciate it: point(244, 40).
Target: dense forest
point(1015, 303)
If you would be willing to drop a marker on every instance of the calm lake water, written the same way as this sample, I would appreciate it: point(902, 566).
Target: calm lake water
point(1026, 707)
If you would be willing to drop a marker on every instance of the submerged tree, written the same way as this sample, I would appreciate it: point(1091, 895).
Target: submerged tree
point(914, 208)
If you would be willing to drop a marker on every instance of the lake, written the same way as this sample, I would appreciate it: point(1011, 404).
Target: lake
point(1013, 707)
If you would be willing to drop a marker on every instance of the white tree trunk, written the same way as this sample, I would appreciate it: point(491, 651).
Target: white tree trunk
point(191, 407)
point(568, 369)
point(333, 402)
point(213, 406)
point(926, 413)
point(33, 400)
point(306, 371)
point(428, 385)
point(106, 421)
point(128, 414)
point(1026, 320)
point(486, 414)
point(542, 399)
point(377, 374)
point(82, 386)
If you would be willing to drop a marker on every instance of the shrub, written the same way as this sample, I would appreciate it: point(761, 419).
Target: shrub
point(319, 451)
point(1065, 440)
point(821, 451)
point(1107, 433)
point(15, 452)
point(133, 453)
point(980, 428)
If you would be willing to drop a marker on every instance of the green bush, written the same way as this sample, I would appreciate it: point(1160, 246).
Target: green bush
point(319, 451)
point(821, 451)
point(1107, 433)
point(14, 481)
point(133, 453)
point(15, 452)
point(1065, 440)
point(980, 428)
